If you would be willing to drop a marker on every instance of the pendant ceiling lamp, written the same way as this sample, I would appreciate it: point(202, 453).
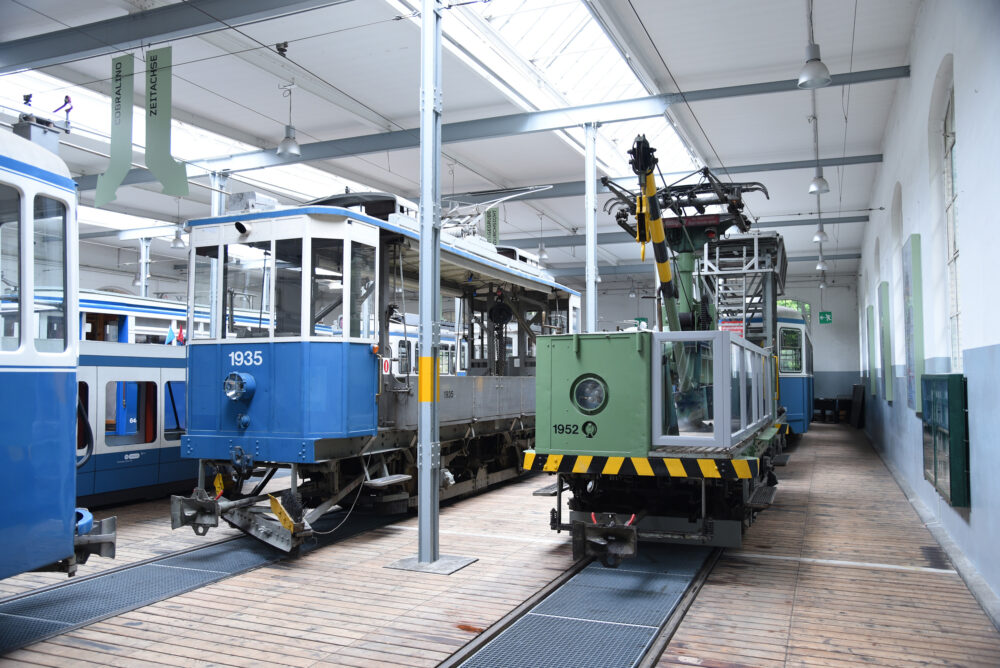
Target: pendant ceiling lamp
point(289, 148)
point(814, 73)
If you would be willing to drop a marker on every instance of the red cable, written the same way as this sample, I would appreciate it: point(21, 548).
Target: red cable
point(593, 517)
point(630, 520)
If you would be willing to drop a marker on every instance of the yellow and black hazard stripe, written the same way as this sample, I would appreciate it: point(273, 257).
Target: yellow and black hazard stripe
point(673, 467)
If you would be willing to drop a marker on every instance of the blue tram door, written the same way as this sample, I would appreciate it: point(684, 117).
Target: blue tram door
point(126, 409)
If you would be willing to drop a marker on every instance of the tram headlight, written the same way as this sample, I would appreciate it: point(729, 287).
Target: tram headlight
point(239, 386)
point(589, 394)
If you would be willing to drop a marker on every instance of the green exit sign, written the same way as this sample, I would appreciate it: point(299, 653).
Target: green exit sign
point(826, 317)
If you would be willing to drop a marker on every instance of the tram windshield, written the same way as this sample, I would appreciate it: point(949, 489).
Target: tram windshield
point(288, 287)
point(50, 275)
point(327, 289)
point(245, 289)
point(285, 288)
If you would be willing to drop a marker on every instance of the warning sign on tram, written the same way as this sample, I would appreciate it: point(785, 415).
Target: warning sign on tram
point(386, 366)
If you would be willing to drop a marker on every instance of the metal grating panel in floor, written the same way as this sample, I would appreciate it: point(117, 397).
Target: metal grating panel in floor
point(535, 641)
point(601, 617)
point(29, 618)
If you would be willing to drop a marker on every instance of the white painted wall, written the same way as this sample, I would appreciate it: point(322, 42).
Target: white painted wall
point(616, 309)
point(835, 346)
point(966, 33)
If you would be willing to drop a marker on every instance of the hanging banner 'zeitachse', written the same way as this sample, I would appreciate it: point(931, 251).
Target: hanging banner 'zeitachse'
point(169, 172)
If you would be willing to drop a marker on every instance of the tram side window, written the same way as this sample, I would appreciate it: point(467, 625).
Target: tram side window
point(327, 289)
point(206, 259)
point(50, 275)
point(790, 356)
point(174, 416)
point(288, 287)
point(10, 274)
point(245, 290)
point(362, 291)
point(129, 413)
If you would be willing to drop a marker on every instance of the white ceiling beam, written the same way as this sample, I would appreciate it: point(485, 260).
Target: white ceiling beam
point(153, 26)
point(638, 269)
point(576, 188)
point(620, 237)
point(503, 126)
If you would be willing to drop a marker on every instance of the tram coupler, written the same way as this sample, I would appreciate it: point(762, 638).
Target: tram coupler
point(99, 539)
point(198, 511)
point(605, 539)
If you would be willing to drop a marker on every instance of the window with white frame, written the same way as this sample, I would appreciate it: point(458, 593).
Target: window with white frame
point(951, 223)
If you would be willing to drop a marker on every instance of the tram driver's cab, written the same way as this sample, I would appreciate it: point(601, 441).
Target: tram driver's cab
point(293, 320)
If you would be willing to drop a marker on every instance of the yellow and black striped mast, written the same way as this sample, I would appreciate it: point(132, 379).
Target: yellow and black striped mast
point(649, 226)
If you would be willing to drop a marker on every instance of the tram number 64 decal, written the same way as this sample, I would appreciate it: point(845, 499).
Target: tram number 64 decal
point(246, 358)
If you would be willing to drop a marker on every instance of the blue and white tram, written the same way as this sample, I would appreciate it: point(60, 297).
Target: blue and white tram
point(795, 369)
point(322, 380)
point(132, 389)
point(38, 359)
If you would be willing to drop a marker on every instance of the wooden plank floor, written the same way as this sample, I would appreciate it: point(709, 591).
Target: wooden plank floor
point(338, 605)
point(839, 572)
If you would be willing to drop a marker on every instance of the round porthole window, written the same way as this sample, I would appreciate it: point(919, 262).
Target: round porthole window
point(589, 394)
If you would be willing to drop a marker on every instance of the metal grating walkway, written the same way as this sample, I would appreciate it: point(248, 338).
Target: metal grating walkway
point(601, 617)
point(31, 617)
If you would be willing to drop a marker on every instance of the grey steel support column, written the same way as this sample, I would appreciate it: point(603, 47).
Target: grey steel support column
point(219, 182)
point(428, 440)
point(590, 225)
point(428, 558)
point(144, 266)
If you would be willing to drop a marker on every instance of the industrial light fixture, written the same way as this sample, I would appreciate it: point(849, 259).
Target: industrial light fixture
point(177, 242)
point(822, 281)
point(814, 73)
point(821, 265)
point(289, 148)
point(137, 279)
point(542, 253)
point(819, 185)
point(821, 236)
point(631, 290)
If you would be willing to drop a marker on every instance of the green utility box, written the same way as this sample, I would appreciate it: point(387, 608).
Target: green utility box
point(592, 394)
point(946, 440)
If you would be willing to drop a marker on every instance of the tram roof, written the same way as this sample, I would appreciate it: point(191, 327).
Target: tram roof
point(492, 264)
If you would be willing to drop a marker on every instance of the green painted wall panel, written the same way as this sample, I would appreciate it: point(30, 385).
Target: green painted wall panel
point(885, 338)
point(913, 319)
point(871, 350)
